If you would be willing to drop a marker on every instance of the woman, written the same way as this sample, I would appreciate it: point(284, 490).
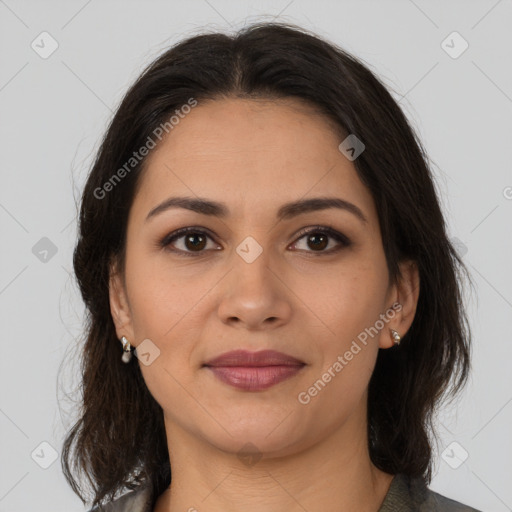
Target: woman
point(261, 225)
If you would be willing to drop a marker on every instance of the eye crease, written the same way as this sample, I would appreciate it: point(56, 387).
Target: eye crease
point(317, 235)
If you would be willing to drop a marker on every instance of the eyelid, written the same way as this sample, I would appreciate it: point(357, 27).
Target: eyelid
point(328, 230)
point(179, 233)
point(323, 228)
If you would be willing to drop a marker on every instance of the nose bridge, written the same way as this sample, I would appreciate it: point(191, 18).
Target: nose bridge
point(251, 267)
point(253, 293)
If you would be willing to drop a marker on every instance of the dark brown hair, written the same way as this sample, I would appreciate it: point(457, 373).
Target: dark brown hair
point(119, 440)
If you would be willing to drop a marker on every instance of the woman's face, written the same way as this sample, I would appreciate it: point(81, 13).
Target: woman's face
point(251, 279)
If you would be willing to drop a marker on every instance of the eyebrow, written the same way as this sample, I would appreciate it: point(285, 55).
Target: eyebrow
point(285, 212)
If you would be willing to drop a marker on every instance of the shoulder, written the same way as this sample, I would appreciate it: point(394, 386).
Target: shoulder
point(405, 494)
point(408, 494)
point(139, 500)
point(446, 504)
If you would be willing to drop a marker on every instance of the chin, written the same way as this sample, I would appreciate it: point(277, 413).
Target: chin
point(267, 435)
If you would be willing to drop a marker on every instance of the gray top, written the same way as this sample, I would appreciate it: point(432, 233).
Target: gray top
point(404, 495)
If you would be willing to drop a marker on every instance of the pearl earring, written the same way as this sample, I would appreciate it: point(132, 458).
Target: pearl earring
point(127, 354)
point(396, 337)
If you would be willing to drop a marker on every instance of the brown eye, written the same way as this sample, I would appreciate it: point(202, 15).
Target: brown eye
point(318, 238)
point(192, 241)
point(186, 241)
point(195, 241)
point(318, 241)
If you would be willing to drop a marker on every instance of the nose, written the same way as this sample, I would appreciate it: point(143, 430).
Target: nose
point(254, 295)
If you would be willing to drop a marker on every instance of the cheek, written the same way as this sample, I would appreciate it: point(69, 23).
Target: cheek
point(350, 306)
point(168, 308)
point(160, 297)
point(351, 299)
point(164, 309)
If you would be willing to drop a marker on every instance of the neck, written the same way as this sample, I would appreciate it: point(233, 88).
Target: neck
point(334, 475)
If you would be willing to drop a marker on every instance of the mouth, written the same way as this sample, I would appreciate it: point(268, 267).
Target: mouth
point(254, 371)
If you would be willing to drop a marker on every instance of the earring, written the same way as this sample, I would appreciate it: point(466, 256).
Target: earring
point(396, 337)
point(127, 354)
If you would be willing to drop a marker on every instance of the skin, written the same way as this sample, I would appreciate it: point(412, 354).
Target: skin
point(254, 156)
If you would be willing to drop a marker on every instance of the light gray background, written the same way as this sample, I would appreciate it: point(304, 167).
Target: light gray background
point(54, 111)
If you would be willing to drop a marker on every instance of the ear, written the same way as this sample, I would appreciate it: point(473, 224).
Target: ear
point(405, 294)
point(119, 306)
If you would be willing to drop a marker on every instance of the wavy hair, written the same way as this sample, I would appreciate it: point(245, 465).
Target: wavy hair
point(118, 442)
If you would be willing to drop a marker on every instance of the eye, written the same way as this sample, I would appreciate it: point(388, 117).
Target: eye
point(317, 238)
point(194, 241)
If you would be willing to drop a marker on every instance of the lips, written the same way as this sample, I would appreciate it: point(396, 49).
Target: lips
point(254, 359)
point(254, 371)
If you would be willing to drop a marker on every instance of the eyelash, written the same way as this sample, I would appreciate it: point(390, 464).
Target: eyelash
point(324, 230)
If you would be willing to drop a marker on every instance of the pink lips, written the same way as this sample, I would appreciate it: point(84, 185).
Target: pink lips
point(254, 371)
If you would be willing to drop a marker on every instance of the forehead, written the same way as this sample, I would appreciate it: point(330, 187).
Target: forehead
point(251, 154)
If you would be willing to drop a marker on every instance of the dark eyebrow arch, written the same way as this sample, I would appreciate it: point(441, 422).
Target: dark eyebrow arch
point(285, 212)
